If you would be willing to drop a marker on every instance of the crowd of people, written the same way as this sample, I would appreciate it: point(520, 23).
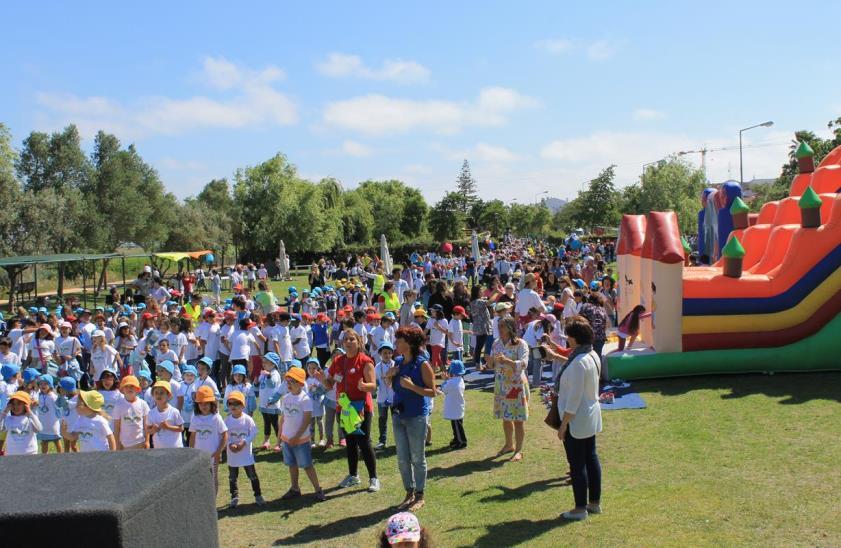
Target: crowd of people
point(163, 365)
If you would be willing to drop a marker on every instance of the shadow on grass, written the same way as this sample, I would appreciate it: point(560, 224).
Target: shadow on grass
point(515, 532)
point(341, 527)
point(794, 388)
point(465, 468)
point(518, 493)
point(285, 508)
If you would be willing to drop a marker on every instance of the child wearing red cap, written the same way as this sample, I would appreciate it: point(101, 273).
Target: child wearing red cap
point(455, 333)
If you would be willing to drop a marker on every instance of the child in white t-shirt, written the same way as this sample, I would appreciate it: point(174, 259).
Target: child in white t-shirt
point(316, 392)
point(67, 403)
point(385, 393)
point(145, 378)
point(108, 386)
point(21, 425)
point(130, 416)
point(241, 434)
point(208, 431)
point(295, 432)
point(49, 415)
point(240, 384)
point(92, 428)
point(455, 333)
point(453, 389)
point(271, 389)
point(164, 422)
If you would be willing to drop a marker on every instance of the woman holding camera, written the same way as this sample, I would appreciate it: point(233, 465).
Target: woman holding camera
point(509, 359)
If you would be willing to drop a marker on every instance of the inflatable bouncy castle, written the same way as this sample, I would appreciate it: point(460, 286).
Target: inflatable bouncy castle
point(772, 302)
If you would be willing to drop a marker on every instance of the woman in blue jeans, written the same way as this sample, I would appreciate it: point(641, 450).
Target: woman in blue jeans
point(578, 404)
point(413, 382)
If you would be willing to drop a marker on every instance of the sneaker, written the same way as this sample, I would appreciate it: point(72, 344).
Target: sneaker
point(461, 446)
point(323, 443)
point(594, 508)
point(380, 446)
point(410, 496)
point(313, 445)
point(417, 503)
point(320, 496)
point(349, 481)
point(234, 502)
point(575, 516)
point(260, 500)
point(373, 485)
point(343, 443)
point(291, 494)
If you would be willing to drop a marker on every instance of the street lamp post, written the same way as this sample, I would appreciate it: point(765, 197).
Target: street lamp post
point(540, 194)
point(769, 123)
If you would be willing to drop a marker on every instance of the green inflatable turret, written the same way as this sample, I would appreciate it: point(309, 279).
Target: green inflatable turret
point(739, 212)
point(733, 254)
point(810, 209)
point(805, 158)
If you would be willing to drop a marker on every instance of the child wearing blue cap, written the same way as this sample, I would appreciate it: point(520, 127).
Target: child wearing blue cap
point(385, 394)
point(204, 367)
point(453, 390)
point(317, 392)
point(109, 387)
point(30, 382)
point(240, 383)
point(164, 372)
point(67, 401)
point(145, 378)
point(9, 384)
point(49, 415)
point(185, 397)
point(272, 388)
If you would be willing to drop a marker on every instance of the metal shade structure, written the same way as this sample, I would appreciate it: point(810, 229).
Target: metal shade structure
point(284, 261)
point(385, 256)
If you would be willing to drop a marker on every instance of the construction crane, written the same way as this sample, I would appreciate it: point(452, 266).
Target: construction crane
point(703, 152)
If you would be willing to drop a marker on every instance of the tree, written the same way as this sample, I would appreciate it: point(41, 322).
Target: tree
point(669, 185)
point(599, 203)
point(54, 161)
point(446, 219)
point(566, 218)
point(10, 196)
point(466, 190)
point(491, 216)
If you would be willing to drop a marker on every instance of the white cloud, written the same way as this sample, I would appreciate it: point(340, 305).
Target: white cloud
point(645, 114)
point(377, 114)
point(495, 154)
point(250, 100)
point(600, 50)
point(181, 165)
point(356, 149)
point(338, 65)
point(555, 46)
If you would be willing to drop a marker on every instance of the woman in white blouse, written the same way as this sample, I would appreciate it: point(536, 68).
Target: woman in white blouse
point(578, 404)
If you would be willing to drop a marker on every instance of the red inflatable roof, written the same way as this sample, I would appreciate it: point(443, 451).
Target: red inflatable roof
point(662, 238)
point(631, 235)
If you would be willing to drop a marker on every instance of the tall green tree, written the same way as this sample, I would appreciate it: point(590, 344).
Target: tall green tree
point(491, 216)
point(599, 203)
point(446, 220)
point(467, 193)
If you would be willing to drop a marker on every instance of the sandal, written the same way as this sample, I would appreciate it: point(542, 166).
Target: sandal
point(505, 451)
point(517, 457)
point(291, 494)
point(403, 506)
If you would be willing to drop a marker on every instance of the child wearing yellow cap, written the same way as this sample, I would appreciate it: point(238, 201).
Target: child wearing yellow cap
point(296, 414)
point(130, 416)
point(208, 431)
point(241, 434)
point(92, 428)
point(20, 424)
point(164, 422)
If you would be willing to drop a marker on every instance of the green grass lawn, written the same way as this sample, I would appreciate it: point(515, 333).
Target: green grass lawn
point(712, 461)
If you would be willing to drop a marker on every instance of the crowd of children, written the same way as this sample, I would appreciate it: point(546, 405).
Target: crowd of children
point(175, 368)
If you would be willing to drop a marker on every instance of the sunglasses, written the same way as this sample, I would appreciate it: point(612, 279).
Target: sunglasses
point(234, 404)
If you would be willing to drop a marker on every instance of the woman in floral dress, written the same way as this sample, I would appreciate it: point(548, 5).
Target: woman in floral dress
point(509, 359)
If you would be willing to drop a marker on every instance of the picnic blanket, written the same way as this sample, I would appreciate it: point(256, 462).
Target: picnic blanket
point(623, 397)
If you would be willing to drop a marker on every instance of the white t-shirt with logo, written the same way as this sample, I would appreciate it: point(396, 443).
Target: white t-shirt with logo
point(208, 429)
point(166, 438)
point(242, 344)
point(93, 433)
point(293, 408)
point(130, 415)
point(20, 434)
point(48, 413)
point(112, 398)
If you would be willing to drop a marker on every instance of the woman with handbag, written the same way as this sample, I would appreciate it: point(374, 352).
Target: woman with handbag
point(509, 359)
point(578, 405)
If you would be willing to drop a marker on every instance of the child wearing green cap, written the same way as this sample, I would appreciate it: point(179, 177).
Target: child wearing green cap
point(93, 427)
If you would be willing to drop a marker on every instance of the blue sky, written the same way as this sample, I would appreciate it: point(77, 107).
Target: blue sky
point(539, 96)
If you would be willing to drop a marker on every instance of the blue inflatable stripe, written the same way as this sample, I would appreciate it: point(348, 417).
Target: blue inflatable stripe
point(767, 305)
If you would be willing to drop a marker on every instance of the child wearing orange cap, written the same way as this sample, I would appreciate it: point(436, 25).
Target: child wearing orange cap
point(20, 424)
point(241, 434)
point(164, 422)
point(92, 428)
point(294, 429)
point(208, 431)
point(130, 416)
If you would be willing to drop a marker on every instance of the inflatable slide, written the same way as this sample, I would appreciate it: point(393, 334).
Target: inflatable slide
point(771, 302)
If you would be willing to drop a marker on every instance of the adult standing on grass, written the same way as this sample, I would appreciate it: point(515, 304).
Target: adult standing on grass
point(413, 381)
point(578, 404)
point(480, 317)
point(509, 359)
point(353, 373)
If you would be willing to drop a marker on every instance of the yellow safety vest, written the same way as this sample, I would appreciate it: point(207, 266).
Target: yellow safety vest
point(195, 313)
point(391, 302)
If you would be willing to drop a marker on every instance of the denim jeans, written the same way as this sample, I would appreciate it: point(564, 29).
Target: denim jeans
point(586, 471)
point(410, 439)
point(536, 366)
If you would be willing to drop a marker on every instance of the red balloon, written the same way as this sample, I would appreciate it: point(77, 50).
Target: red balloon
point(447, 247)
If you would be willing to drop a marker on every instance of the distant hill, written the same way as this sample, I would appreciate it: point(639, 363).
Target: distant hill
point(554, 204)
